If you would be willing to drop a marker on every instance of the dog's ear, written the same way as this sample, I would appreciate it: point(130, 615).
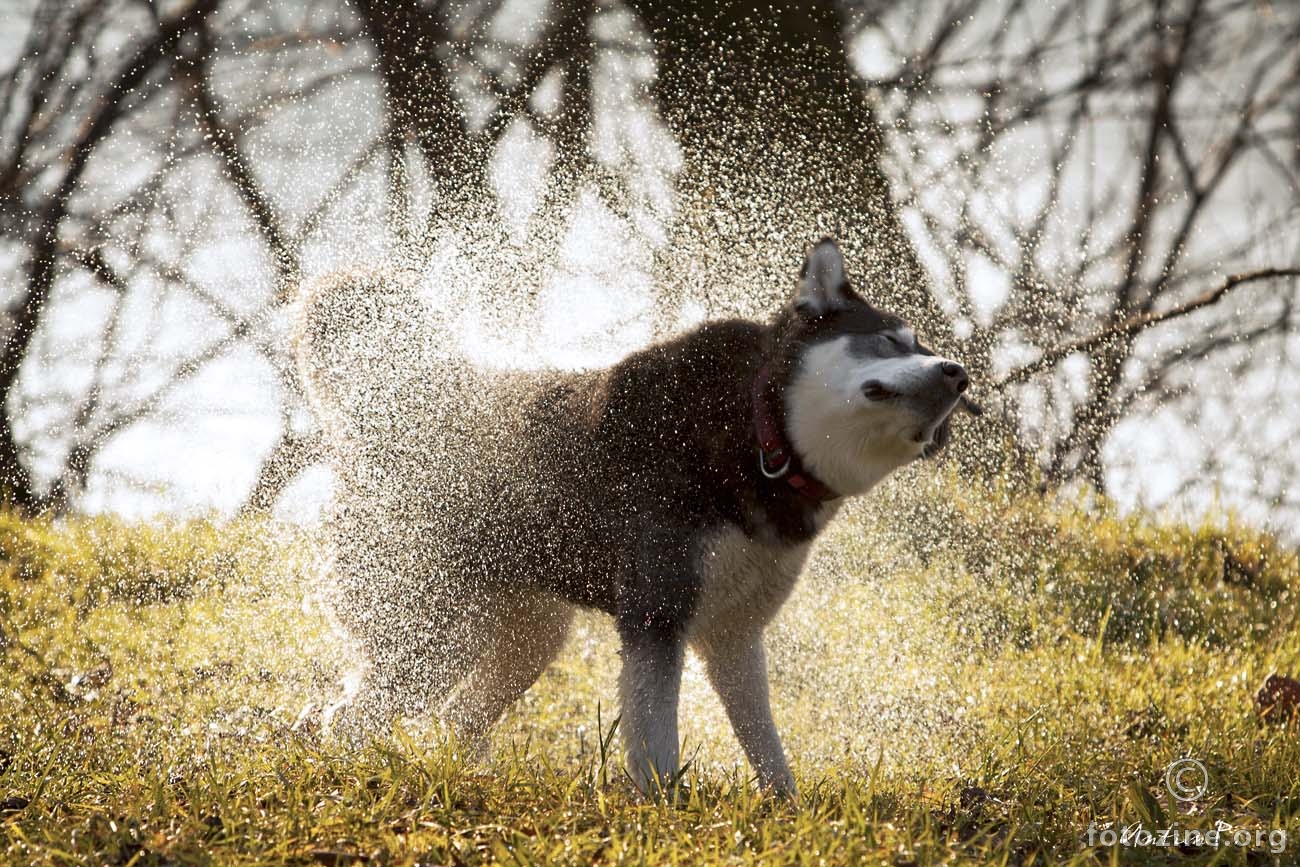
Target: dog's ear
point(823, 284)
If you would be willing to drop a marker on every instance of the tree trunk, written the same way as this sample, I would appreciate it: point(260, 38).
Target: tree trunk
point(15, 482)
point(781, 146)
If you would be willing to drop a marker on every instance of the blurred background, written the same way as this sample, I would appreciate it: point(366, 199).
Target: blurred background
point(1094, 205)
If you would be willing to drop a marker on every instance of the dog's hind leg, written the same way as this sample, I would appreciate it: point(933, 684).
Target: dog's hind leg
point(404, 671)
point(412, 666)
point(525, 636)
point(407, 612)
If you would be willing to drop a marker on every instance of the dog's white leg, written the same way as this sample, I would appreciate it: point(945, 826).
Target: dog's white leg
point(737, 669)
point(649, 685)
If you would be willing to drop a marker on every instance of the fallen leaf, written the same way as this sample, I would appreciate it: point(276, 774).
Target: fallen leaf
point(1279, 698)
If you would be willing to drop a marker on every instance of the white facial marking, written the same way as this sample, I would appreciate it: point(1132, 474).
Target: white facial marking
point(845, 439)
point(907, 374)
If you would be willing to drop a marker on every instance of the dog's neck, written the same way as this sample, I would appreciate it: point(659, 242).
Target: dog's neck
point(778, 460)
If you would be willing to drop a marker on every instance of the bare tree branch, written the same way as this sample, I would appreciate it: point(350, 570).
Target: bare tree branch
point(25, 313)
point(225, 144)
point(1135, 324)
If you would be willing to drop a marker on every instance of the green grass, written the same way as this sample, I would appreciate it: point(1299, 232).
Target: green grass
point(969, 677)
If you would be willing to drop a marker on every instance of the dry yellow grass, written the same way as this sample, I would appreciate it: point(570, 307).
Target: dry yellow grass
point(969, 679)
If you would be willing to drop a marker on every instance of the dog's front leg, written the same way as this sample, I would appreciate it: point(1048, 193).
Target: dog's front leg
point(737, 669)
point(648, 687)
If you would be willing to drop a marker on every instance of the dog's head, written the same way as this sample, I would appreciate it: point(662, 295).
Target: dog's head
point(861, 395)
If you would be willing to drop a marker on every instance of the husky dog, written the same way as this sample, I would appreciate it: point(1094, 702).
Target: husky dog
point(678, 491)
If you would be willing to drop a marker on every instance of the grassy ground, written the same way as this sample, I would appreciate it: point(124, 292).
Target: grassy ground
point(982, 693)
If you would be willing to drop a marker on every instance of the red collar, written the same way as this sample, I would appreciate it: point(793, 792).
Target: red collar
point(776, 457)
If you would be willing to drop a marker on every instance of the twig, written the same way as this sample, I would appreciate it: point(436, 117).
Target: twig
point(226, 146)
point(1135, 324)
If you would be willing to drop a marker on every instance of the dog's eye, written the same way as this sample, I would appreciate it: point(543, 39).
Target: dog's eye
point(895, 341)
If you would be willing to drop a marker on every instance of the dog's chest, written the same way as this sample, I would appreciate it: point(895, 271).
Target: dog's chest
point(745, 581)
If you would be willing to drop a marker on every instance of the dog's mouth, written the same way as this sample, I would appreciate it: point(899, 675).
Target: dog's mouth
point(877, 392)
point(926, 433)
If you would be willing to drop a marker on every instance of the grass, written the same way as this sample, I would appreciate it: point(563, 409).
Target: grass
point(965, 678)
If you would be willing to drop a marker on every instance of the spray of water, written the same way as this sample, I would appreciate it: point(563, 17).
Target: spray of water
point(424, 372)
point(428, 355)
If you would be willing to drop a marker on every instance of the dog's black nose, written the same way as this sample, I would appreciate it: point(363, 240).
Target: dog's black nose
point(955, 375)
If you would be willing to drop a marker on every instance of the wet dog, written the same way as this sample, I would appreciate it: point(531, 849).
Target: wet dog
point(678, 491)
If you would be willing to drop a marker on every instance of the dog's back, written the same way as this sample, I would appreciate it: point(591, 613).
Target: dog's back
point(455, 497)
